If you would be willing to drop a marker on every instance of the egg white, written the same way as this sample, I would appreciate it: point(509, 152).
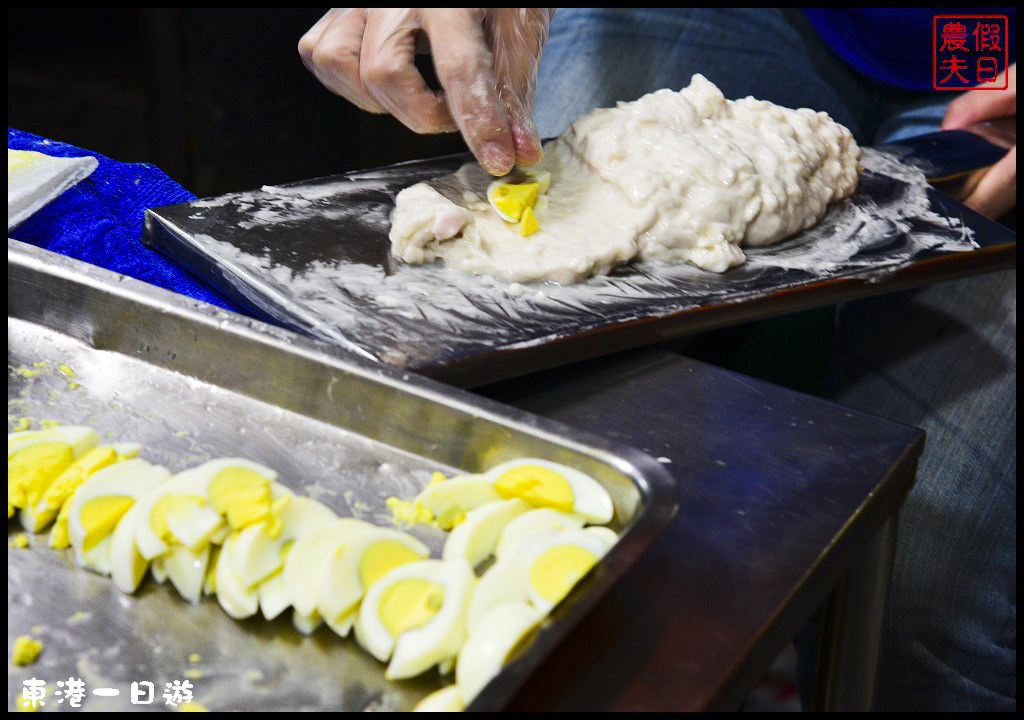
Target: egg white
point(476, 537)
point(499, 631)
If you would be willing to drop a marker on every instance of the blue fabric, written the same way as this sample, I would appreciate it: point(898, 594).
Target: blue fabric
point(596, 57)
point(893, 45)
point(100, 220)
point(942, 358)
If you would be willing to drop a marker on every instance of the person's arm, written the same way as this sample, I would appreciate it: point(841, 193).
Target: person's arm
point(996, 193)
point(486, 61)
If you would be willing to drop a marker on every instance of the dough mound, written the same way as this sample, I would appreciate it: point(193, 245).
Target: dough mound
point(672, 177)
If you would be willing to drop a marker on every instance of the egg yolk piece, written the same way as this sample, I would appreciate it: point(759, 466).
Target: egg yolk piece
point(383, 556)
point(512, 199)
point(558, 569)
point(242, 495)
point(75, 474)
point(31, 471)
point(537, 485)
point(529, 224)
point(409, 604)
point(101, 515)
point(170, 505)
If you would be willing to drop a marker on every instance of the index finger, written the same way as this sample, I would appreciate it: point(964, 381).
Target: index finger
point(465, 70)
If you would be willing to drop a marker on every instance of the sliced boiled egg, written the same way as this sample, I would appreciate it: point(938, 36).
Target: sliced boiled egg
point(35, 516)
point(475, 538)
point(99, 503)
point(186, 569)
point(237, 600)
point(216, 496)
point(448, 501)
point(531, 526)
point(127, 566)
point(273, 596)
point(259, 548)
point(305, 567)
point(490, 643)
point(558, 562)
point(36, 458)
point(447, 699)
point(416, 615)
point(353, 567)
point(546, 484)
point(506, 581)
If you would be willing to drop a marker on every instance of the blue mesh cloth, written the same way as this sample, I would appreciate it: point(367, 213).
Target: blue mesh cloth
point(100, 220)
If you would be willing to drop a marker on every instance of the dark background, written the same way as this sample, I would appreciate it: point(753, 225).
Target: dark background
point(217, 98)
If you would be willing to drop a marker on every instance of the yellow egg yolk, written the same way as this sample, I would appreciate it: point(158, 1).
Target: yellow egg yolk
point(242, 495)
point(75, 474)
point(26, 650)
point(100, 516)
point(171, 504)
point(380, 557)
point(60, 536)
point(408, 604)
point(408, 512)
point(512, 199)
point(537, 485)
point(528, 224)
point(558, 569)
point(30, 471)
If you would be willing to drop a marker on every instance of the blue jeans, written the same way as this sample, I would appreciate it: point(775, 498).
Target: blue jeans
point(943, 358)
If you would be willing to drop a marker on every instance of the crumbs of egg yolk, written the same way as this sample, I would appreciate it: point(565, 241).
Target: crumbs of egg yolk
point(26, 650)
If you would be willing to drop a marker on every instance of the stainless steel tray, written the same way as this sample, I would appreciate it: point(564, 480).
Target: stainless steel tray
point(192, 382)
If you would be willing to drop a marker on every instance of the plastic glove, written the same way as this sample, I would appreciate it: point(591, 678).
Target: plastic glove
point(486, 61)
point(996, 193)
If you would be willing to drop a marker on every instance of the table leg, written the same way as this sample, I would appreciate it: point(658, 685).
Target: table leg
point(851, 630)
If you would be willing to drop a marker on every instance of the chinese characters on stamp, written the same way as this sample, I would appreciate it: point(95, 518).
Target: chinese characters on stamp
point(969, 51)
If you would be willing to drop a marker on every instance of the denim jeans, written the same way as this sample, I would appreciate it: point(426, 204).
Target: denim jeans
point(943, 358)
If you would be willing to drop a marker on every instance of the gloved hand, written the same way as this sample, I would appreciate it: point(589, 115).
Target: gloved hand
point(486, 61)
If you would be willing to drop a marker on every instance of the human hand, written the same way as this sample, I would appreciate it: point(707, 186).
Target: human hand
point(486, 61)
point(996, 193)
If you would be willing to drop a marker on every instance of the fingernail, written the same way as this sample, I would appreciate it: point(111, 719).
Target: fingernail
point(497, 158)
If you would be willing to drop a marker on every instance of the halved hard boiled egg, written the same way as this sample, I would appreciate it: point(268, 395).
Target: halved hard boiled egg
point(447, 699)
point(416, 615)
point(531, 526)
point(476, 537)
point(353, 567)
point(36, 458)
point(489, 644)
point(305, 567)
point(35, 516)
point(227, 492)
point(546, 484)
point(555, 564)
point(448, 501)
point(99, 504)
